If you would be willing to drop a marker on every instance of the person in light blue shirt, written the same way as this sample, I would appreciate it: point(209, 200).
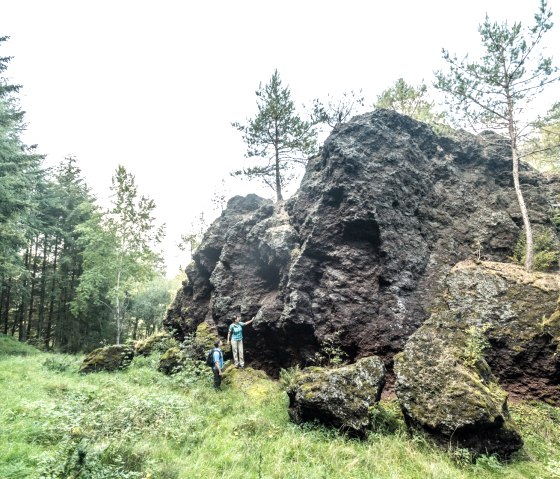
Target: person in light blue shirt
point(235, 332)
point(218, 357)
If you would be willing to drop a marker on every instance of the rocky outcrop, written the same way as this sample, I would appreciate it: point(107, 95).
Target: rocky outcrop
point(446, 388)
point(338, 397)
point(380, 218)
point(491, 317)
point(109, 358)
point(518, 313)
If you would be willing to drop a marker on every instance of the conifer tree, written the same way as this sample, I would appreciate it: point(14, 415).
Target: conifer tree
point(412, 101)
point(495, 91)
point(277, 136)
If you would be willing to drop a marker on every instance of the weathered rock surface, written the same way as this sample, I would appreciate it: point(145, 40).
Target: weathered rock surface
point(518, 312)
point(338, 397)
point(446, 390)
point(380, 218)
point(109, 358)
point(171, 361)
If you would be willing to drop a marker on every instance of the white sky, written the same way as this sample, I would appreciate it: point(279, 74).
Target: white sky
point(154, 85)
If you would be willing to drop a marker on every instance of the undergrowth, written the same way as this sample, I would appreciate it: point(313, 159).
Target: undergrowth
point(138, 423)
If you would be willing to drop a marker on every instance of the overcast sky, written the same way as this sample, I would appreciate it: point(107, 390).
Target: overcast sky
point(155, 85)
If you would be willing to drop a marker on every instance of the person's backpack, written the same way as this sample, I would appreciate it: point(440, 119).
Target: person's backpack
point(210, 358)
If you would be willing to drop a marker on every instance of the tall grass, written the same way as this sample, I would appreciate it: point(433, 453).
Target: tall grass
point(139, 423)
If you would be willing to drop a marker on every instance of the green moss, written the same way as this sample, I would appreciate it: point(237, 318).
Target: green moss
point(172, 361)
point(206, 336)
point(156, 342)
point(109, 358)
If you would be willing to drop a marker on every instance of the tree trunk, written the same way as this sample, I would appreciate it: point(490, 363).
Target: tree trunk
point(42, 293)
point(277, 166)
point(51, 304)
point(517, 185)
point(21, 310)
point(32, 293)
point(118, 306)
point(2, 294)
point(8, 288)
point(135, 328)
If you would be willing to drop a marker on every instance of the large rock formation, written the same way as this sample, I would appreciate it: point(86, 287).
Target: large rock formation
point(489, 317)
point(381, 216)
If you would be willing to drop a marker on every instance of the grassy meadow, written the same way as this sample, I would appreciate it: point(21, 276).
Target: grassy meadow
point(138, 423)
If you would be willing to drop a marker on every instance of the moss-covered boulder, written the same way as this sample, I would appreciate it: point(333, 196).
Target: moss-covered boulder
point(446, 388)
point(518, 312)
point(109, 358)
point(172, 361)
point(156, 342)
point(254, 383)
point(339, 397)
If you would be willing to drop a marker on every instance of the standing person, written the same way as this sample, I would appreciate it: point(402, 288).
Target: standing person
point(235, 332)
point(218, 357)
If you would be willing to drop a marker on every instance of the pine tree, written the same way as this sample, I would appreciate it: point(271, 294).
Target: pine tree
point(495, 91)
point(412, 101)
point(277, 136)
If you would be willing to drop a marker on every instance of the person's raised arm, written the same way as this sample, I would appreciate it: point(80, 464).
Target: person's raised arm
point(249, 322)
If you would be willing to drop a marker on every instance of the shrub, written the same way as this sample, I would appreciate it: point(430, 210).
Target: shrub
point(546, 249)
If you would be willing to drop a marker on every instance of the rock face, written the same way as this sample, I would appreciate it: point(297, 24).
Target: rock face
point(338, 397)
point(447, 389)
point(109, 358)
point(380, 218)
point(518, 312)
point(490, 317)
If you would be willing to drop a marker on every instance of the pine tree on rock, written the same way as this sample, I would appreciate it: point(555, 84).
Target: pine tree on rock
point(495, 91)
point(277, 136)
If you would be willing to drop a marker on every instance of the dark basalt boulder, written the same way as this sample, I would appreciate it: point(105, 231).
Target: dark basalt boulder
point(449, 392)
point(490, 317)
point(381, 216)
point(338, 397)
point(109, 358)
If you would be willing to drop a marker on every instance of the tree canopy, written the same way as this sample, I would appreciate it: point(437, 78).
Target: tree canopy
point(412, 101)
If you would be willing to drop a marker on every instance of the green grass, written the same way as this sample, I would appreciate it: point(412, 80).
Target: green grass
point(139, 423)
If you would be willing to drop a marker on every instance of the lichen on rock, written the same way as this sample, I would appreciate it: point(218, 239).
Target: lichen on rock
point(459, 403)
point(519, 312)
point(338, 397)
